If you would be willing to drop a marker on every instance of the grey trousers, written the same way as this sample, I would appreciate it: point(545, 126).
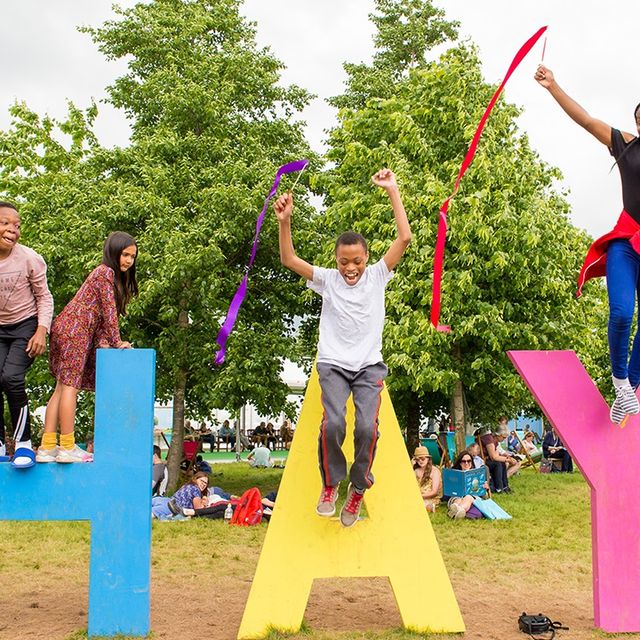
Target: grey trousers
point(337, 384)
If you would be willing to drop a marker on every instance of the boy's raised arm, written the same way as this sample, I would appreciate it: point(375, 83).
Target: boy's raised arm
point(386, 179)
point(283, 208)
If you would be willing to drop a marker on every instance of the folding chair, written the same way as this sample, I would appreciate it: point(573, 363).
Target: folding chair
point(529, 461)
point(189, 451)
point(443, 445)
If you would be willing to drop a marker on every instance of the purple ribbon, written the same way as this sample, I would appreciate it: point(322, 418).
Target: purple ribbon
point(238, 298)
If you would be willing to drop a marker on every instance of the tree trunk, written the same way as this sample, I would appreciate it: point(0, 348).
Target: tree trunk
point(237, 414)
point(175, 450)
point(458, 416)
point(413, 422)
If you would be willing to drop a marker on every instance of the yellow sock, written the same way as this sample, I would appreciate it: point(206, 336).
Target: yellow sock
point(49, 440)
point(67, 441)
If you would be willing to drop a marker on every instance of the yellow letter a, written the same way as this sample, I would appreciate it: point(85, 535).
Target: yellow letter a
point(396, 540)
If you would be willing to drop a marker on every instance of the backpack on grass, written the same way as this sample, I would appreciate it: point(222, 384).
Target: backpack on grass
point(248, 511)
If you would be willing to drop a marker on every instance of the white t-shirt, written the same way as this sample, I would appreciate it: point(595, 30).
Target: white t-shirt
point(352, 316)
point(261, 456)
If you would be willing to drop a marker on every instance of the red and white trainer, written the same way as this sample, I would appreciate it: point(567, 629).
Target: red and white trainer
point(327, 502)
point(351, 509)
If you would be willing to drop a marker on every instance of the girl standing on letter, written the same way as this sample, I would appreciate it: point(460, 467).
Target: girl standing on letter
point(89, 321)
point(617, 253)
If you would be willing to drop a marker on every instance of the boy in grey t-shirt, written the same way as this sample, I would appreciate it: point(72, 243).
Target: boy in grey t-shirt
point(350, 346)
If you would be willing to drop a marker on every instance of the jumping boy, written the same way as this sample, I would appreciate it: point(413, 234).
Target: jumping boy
point(350, 346)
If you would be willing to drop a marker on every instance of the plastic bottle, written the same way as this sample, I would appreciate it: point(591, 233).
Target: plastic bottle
point(228, 513)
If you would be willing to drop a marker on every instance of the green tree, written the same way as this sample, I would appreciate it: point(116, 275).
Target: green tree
point(43, 169)
point(512, 255)
point(210, 124)
point(406, 31)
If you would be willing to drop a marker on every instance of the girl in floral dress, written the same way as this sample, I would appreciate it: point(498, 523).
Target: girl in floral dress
point(89, 321)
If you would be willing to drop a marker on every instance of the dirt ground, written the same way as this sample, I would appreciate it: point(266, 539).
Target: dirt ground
point(211, 607)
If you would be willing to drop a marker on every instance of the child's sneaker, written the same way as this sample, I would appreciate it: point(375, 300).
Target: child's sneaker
point(73, 455)
point(47, 455)
point(327, 502)
point(351, 510)
point(625, 403)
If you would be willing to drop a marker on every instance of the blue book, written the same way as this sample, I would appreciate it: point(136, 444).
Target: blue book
point(491, 509)
point(456, 483)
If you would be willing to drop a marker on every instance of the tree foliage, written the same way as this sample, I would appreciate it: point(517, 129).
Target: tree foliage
point(512, 255)
point(210, 124)
point(406, 31)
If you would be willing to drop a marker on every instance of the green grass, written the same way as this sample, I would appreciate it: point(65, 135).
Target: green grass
point(550, 528)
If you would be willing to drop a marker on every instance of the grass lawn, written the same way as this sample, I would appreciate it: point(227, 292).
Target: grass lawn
point(202, 570)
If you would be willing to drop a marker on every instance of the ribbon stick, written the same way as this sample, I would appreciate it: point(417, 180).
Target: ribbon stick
point(240, 294)
point(438, 258)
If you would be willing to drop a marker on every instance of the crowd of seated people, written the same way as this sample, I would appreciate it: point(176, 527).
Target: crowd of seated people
point(195, 499)
point(502, 452)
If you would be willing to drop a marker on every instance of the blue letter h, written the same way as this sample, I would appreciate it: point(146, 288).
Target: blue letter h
point(113, 493)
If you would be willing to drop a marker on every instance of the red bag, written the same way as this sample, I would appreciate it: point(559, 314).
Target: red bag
point(249, 509)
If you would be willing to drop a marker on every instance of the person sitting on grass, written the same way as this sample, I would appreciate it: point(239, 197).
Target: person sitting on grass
point(159, 473)
point(429, 478)
point(260, 457)
point(202, 465)
point(474, 450)
point(193, 495)
point(218, 503)
point(463, 507)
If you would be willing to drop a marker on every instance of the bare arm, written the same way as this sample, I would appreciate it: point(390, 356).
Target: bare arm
point(492, 452)
point(386, 179)
point(283, 208)
point(600, 130)
point(436, 481)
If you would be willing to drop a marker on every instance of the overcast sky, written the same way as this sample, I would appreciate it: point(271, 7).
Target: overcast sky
point(591, 47)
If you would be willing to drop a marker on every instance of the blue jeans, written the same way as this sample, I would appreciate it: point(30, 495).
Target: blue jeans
point(623, 278)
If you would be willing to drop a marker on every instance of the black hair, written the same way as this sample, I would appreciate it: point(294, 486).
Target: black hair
point(634, 141)
point(8, 205)
point(125, 281)
point(157, 450)
point(351, 237)
point(458, 462)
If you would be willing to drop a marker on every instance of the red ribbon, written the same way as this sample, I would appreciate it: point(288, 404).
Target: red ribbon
point(438, 259)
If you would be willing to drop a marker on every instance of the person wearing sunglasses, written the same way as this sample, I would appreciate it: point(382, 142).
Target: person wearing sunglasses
point(463, 507)
point(429, 478)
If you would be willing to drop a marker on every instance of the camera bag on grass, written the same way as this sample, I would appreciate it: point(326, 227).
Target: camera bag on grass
point(537, 625)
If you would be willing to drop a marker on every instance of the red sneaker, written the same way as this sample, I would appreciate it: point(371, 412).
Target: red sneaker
point(351, 510)
point(327, 502)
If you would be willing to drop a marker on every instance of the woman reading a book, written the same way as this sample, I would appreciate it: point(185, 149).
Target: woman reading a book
point(463, 507)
